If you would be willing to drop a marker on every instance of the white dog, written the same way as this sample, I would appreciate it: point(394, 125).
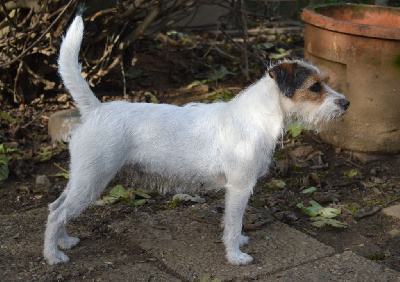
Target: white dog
point(226, 145)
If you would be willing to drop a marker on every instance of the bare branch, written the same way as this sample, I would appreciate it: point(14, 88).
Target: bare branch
point(37, 40)
point(3, 4)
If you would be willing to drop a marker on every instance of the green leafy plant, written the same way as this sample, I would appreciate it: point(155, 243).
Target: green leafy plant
point(217, 75)
point(119, 193)
point(267, 238)
point(352, 173)
point(320, 221)
point(275, 184)
point(310, 190)
point(5, 156)
point(174, 204)
point(64, 173)
point(282, 53)
point(4, 167)
point(353, 208)
point(7, 117)
point(135, 73)
point(295, 129)
point(223, 95)
point(378, 256)
point(321, 216)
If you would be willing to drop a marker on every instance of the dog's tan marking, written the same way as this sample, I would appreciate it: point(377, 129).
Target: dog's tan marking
point(305, 94)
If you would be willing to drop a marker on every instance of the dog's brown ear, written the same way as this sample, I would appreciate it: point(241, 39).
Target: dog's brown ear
point(289, 76)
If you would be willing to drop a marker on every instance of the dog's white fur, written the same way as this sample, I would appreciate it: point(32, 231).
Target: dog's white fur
point(226, 145)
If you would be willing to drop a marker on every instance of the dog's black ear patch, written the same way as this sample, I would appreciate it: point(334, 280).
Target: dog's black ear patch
point(289, 77)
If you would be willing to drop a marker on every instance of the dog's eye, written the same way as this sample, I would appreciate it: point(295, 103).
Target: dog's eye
point(316, 87)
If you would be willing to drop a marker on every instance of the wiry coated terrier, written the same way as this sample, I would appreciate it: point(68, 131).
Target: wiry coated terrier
point(221, 145)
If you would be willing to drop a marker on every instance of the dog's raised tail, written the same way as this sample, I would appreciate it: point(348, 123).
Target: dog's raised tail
point(70, 68)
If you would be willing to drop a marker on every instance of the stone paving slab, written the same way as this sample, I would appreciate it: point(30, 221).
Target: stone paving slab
point(339, 267)
point(177, 248)
point(393, 211)
point(133, 272)
point(21, 243)
point(194, 249)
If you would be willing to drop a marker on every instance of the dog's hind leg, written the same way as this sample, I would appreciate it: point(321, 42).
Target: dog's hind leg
point(87, 181)
point(76, 201)
point(64, 241)
point(235, 205)
point(54, 205)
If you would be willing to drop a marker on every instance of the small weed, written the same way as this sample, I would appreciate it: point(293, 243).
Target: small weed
point(295, 129)
point(3, 167)
point(294, 182)
point(267, 238)
point(321, 216)
point(135, 73)
point(217, 75)
point(297, 168)
point(153, 98)
point(275, 184)
point(7, 117)
point(118, 193)
point(281, 156)
point(282, 53)
point(305, 231)
point(381, 203)
point(378, 257)
point(64, 174)
point(174, 204)
point(353, 208)
point(181, 37)
point(352, 173)
point(322, 175)
point(223, 96)
point(310, 190)
point(6, 154)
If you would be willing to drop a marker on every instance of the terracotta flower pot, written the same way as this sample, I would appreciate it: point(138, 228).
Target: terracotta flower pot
point(359, 46)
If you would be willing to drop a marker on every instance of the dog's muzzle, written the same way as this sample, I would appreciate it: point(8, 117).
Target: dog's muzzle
point(343, 103)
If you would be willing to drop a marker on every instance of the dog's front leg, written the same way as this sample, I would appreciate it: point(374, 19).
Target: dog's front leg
point(235, 205)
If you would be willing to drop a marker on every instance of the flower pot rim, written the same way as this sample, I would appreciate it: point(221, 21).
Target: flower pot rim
point(312, 16)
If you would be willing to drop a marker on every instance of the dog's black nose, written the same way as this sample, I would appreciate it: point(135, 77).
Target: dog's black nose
point(344, 103)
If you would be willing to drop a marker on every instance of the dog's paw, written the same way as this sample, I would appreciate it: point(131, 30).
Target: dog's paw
point(239, 258)
point(68, 242)
point(243, 240)
point(56, 258)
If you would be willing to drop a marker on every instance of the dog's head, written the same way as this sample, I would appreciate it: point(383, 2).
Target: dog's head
point(306, 95)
